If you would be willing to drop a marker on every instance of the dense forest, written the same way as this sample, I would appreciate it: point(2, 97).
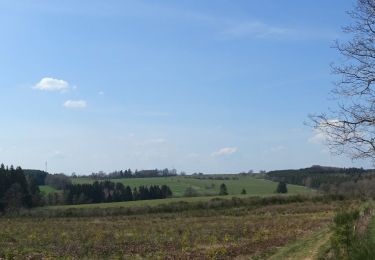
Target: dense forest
point(17, 189)
point(107, 191)
point(20, 189)
point(315, 176)
point(58, 181)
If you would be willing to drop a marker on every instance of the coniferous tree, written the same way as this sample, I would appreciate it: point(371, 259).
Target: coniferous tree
point(15, 190)
point(166, 191)
point(109, 191)
point(281, 187)
point(223, 189)
point(135, 194)
point(128, 195)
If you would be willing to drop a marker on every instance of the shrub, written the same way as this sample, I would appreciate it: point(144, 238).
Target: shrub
point(190, 192)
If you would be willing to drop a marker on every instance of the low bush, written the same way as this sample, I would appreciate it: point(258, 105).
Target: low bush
point(215, 203)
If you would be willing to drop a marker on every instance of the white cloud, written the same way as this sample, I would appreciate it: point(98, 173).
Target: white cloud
point(225, 151)
point(75, 104)
point(51, 84)
point(318, 138)
point(57, 155)
point(320, 134)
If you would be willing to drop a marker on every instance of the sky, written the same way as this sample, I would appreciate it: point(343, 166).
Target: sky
point(214, 86)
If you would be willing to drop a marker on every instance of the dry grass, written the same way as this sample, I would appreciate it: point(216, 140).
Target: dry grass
point(203, 234)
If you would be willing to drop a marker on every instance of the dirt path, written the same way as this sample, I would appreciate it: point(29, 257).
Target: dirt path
point(304, 249)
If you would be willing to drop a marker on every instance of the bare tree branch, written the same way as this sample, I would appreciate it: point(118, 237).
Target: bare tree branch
point(350, 128)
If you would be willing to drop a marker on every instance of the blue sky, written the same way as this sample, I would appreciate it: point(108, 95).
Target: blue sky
point(213, 86)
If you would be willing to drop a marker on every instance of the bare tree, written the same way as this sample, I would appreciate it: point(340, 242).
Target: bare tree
point(350, 128)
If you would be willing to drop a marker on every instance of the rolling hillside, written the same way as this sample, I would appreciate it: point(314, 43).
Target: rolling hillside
point(206, 187)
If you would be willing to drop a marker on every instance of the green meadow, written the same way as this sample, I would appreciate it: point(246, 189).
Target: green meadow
point(46, 189)
point(206, 187)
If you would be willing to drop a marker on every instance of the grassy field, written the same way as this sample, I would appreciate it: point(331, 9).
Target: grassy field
point(310, 247)
point(139, 202)
point(46, 189)
point(253, 186)
point(238, 232)
point(151, 203)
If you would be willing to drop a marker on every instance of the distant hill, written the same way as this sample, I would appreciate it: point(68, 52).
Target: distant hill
point(317, 175)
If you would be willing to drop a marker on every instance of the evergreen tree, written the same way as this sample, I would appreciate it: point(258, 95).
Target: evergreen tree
point(119, 192)
point(166, 191)
point(135, 194)
point(223, 189)
point(109, 191)
point(14, 197)
point(281, 187)
point(128, 195)
point(15, 190)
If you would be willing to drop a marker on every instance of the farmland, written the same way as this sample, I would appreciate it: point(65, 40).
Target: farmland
point(245, 230)
point(206, 187)
point(128, 204)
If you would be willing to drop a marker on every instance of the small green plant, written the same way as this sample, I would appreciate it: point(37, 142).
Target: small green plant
point(343, 233)
point(190, 192)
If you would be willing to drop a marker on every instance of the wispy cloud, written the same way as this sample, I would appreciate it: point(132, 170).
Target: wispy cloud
point(225, 151)
point(276, 149)
point(256, 29)
point(155, 141)
point(321, 135)
point(52, 84)
point(193, 155)
point(153, 114)
point(318, 138)
point(232, 27)
point(58, 155)
point(262, 30)
point(75, 104)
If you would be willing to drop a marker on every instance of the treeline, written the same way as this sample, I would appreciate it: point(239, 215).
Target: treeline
point(359, 188)
point(136, 174)
point(58, 181)
point(316, 176)
point(107, 191)
point(17, 190)
point(178, 206)
point(202, 176)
